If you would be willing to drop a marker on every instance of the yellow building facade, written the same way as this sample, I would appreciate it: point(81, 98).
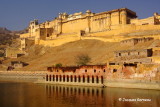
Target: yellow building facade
point(85, 23)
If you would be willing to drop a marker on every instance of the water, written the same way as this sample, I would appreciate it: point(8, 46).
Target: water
point(41, 95)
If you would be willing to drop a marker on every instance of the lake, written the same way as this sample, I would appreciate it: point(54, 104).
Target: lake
point(14, 94)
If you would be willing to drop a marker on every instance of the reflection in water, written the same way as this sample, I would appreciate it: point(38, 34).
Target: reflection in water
point(41, 95)
point(89, 96)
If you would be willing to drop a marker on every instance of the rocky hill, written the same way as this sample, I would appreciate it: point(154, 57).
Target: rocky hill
point(7, 37)
point(4, 30)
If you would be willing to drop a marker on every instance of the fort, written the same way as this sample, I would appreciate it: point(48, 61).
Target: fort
point(66, 28)
point(134, 63)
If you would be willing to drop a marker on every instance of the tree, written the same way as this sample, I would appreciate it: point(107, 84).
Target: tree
point(82, 59)
point(58, 65)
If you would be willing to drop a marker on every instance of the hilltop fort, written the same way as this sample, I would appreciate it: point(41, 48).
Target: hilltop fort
point(88, 24)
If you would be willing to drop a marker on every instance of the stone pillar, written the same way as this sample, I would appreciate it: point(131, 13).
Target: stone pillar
point(73, 79)
point(69, 78)
point(46, 78)
point(123, 16)
point(65, 78)
point(86, 80)
point(95, 79)
point(100, 81)
point(90, 80)
point(82, 79)
point(77, 79)
point(58, 78)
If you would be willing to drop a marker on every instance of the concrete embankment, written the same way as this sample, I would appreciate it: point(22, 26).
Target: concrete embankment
point(21, 76)
point(130, 83)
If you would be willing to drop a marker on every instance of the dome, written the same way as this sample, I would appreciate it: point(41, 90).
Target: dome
point(88, 11)
point(65, 13)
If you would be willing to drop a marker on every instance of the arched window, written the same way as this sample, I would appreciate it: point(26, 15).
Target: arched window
point(83, 78)
point(53, 77)
point(114, 70)
point(88, 79)
point(46, 77)
point(67, 78)
point(104, 70)
point(63, 78)
point(75, 78)
point(102, 79)
point(60, 78)
point(56, 77)
point(92, 79)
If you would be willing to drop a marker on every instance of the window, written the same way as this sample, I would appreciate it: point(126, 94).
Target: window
point(63, 78)
point(94, 71)
point(85, 70)
point(104, 70)
point(56, 77)
point(67, 78)
point(92, 79)
point(129, 53)
point(60, 78)
point(53, 78)
point(114, 70)
point(71, 78)
point(88, 79)
point(102, 79)
point(75, 79)
point(83, 78)
point(119, 54)
point(47, 35)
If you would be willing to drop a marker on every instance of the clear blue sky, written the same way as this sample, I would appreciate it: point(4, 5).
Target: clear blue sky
point(16, 14)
